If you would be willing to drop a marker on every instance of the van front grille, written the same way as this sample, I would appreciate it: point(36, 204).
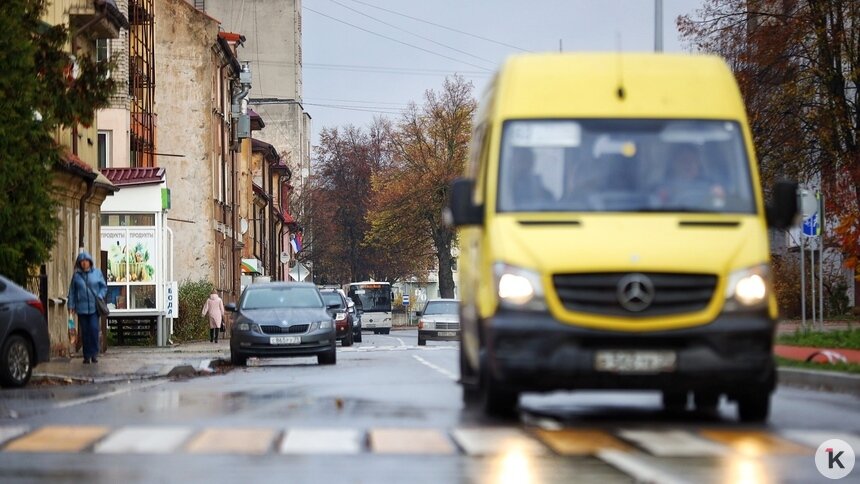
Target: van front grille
point(625, 294)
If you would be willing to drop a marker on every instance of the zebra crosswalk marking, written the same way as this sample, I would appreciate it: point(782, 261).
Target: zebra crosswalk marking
point(322, 441)
point(815, 438)
point(58, 438)
point(675, 443)
point(232, 441)
point(580, 442)
point(143, 440)
point(755, 443)
point(9, 433)
point(495, 441)
point(410, 441)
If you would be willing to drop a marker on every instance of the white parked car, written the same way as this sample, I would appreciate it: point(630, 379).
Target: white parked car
point(440, 320)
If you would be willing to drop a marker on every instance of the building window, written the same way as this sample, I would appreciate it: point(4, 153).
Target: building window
point(103, 51)
point(104, 149)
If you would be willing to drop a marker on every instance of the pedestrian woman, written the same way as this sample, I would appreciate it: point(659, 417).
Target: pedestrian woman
point(214, 308)
point(86, 286)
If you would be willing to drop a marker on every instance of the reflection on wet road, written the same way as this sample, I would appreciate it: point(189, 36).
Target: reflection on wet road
point(391, 411)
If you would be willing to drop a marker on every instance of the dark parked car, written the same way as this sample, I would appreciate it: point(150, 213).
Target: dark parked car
point(355, 314)
point(277, 319)
point(24, 340)
point(339, 309)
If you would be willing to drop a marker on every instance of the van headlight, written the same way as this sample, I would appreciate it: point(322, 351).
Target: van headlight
point(748, 288)
point(519, 288)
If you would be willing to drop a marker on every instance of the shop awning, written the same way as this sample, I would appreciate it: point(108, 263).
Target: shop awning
point(251, 266)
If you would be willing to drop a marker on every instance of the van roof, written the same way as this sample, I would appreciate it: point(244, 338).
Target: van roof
point(564, 85)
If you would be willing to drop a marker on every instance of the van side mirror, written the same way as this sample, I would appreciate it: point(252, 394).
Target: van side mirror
point(463, 209)
point(230, 307)
point(782, 211)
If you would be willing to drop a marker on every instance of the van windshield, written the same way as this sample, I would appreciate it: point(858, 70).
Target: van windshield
point(624, 165)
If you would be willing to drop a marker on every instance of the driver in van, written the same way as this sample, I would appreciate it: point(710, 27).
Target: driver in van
point(685, 174)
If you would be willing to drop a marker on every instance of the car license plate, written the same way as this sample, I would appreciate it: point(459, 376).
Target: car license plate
point(619, 361)
point(285, 340)
point(447, 333)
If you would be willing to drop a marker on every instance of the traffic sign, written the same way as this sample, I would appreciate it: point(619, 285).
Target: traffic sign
point(812, 226)
point(406, 300)
point(810, 204)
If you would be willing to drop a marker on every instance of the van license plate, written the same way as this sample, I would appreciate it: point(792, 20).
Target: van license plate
point(635, 361)
point(285, 340)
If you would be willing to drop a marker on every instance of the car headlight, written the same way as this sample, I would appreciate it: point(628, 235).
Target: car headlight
point(519, 288)
point(249, 327)
point(748, 288)
point(425, 324)
point(325, 324)
point(340, 317)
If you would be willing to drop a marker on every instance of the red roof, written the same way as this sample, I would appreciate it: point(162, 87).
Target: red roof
point(232, 37)
point(134, 176)
point(72, 159)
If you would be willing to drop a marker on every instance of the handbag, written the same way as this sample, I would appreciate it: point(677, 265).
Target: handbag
point(101, 306)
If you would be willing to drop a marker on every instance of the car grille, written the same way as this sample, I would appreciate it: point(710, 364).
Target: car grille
point(294, 329)
point(598, 293)
point(448, 326)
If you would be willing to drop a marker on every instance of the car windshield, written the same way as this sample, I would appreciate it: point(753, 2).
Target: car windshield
point(441, 307)
point(281, 297)
point(370, 299)
point(624, 165)
point(331, 298)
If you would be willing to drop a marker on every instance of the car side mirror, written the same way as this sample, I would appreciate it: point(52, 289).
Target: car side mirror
point(230, 307)
point(782, 211)
point(419, 313)
point(463, 211)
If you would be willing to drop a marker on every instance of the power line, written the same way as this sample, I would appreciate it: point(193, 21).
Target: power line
point(380, 69)
point(354, 101)
point(393, 39)
point(352, 108)
point(442, 26)
point(413, 33)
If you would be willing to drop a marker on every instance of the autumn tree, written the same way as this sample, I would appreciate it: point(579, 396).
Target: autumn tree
point(429, 149)
point(42, 89)
point(798, 66)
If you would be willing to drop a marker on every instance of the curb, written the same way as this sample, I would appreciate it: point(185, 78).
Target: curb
point(827, 381)
point(206, 367)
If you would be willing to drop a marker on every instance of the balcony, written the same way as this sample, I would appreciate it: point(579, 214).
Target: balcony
point(97, 19)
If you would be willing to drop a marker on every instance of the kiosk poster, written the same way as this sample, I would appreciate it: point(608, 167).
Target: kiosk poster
point(141, 255)
point(114, 242)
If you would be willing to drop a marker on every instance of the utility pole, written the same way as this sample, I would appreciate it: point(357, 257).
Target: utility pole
point(658, 25)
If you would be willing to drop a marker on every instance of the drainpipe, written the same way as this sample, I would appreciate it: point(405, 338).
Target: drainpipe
point(91, 189)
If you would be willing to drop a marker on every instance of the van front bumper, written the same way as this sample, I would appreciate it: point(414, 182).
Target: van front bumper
point(535, 352)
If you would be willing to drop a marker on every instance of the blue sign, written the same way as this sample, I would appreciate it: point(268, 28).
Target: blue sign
point(812, 226)
point(405, 300)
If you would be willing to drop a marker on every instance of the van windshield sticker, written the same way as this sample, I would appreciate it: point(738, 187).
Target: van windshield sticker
point(606, 146)
point(561, 134)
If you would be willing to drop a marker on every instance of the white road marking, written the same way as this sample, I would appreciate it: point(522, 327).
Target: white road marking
point(143, 440)
point(496, 441)
point(321, 441)
point(436, 368)
point(9, 433)
point(102, 396)
point(637, 467)
point(674, 443)
point(814, 438)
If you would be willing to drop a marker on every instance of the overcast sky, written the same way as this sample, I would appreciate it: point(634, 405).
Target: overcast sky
point(351, 75)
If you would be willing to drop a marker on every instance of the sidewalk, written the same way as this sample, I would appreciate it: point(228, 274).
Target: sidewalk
point(126, 363)
point(801, 353)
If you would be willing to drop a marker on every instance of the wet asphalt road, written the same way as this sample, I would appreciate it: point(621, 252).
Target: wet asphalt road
point(391, 411)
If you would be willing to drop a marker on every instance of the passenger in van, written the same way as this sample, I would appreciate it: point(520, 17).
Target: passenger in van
point(526, 186)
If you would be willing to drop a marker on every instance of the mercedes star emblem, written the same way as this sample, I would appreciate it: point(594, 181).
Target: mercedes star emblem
point(635, 292)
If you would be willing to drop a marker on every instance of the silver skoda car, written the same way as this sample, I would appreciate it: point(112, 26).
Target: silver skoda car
point(280, 319)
